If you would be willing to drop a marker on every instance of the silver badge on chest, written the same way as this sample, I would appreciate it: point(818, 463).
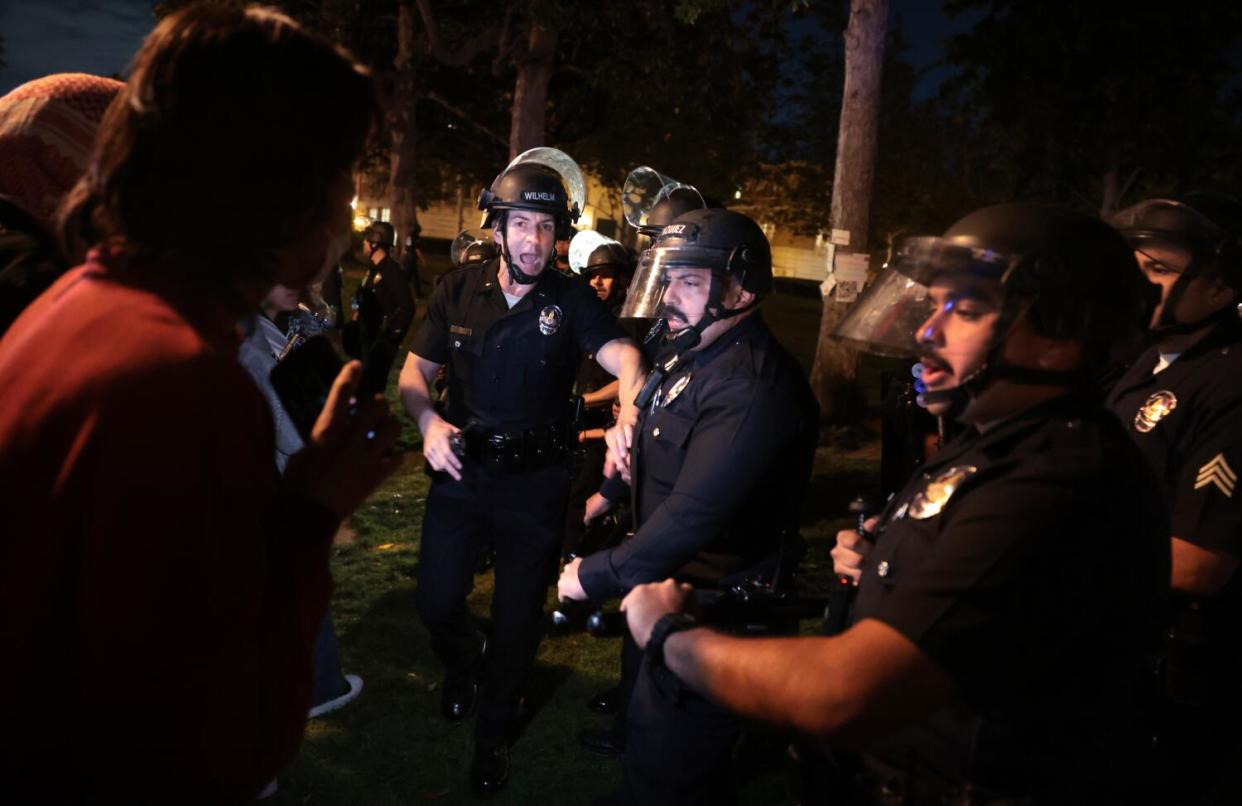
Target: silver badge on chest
point(928, 501)
point(1157, 407)
point(550, 319)
point(676, 389)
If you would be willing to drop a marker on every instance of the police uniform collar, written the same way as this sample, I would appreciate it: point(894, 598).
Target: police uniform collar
point(1069, 406)
point(1222, 335)
point(746, 329)
point(491, 268)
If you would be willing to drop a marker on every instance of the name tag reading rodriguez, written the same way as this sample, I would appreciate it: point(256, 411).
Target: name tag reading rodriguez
point(458, 330)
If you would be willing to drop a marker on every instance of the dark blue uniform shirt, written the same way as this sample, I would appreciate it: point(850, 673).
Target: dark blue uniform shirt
point(1031, 563)
point(1187, 420)
point(511, 367)
point(721, 461)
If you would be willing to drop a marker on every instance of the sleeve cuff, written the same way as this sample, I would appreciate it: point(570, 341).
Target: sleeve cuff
point(597, 578)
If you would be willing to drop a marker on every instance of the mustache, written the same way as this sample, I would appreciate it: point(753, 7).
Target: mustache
point(933, 360)
point(672, 311)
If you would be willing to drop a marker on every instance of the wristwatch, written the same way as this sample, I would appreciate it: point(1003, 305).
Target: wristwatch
point(668, 624)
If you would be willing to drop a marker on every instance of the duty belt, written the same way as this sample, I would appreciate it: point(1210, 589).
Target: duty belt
point(517, 450)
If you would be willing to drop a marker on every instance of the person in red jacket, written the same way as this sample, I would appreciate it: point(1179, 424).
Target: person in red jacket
point(160, 584)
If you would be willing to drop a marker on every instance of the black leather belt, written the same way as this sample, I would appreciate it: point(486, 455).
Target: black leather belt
point(518, 450)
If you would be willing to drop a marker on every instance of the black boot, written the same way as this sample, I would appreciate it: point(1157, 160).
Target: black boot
point(460, 689)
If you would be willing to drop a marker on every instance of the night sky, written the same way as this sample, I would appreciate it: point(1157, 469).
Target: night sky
point(101, 36)
point(59, 36)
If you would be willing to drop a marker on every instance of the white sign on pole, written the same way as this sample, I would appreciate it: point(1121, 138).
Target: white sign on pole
point(840, 237)
point(851, 273)
point(830, 279)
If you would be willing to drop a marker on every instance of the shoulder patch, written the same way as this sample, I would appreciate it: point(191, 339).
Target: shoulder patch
point(1217, 472)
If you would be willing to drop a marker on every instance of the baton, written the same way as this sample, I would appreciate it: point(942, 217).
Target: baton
point(837, 616)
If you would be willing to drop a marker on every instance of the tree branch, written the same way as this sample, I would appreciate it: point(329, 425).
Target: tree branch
point(458, 57)
point(491, 135)
point(503, 41)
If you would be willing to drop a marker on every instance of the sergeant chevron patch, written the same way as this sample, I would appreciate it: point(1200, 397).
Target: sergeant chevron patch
point(1217, 472)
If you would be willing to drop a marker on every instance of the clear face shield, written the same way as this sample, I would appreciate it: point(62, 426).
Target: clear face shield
point(563, 164)
point(645, 188)
point(645, 299)
point(886, 319)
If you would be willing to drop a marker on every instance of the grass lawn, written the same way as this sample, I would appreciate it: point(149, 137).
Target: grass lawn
point(391, 746)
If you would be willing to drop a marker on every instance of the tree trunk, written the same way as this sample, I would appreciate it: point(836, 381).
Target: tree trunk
point(403, 128)
point(834, 376)
point(530, 94)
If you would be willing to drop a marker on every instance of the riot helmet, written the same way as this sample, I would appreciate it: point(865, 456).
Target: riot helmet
point(542, 180)
point(1197, 235)
point(1072, 274)
point(472, 247)
point(727, 243)
point(651, 201)
point(603, 262)
point(380, 233)
point(591, 251)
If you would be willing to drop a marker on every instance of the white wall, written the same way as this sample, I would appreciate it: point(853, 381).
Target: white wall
point(804, 264)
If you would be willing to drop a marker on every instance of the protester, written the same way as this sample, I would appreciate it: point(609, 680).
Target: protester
point(160, 585)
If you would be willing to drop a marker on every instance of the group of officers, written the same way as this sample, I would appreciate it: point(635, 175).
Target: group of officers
point(1047, 611)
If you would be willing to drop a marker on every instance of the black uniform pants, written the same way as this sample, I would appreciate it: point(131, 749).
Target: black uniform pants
point(678, 745)
point(521, 515)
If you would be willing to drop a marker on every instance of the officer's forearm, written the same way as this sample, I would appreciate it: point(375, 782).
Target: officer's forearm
point(1198, 571)
point(855, 685)
point(624, 360)
point(415, 388)
point(602, 397)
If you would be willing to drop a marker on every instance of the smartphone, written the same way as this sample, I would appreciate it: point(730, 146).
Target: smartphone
point(304, 377)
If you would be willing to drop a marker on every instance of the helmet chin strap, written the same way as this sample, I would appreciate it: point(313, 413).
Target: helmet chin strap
point(516, 275)
point(996, 368)
point(690, 337)
point(1169, 326)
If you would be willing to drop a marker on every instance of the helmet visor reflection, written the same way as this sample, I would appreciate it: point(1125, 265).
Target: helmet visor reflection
point(886, 318)
point(646, 294)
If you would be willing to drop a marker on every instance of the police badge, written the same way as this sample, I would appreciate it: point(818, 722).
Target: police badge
point(677, 389)
point(1157, 407)
point(550, 319)
point(928, 501)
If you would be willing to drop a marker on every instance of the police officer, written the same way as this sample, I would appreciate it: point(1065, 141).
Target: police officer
point(719, 470)
point(1181, 401)
point(412, 261)
point(1005, 611)
point(608, 269)
point(509, 331)
point(383, 306)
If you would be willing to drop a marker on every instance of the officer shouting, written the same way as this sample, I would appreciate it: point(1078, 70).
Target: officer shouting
point(509, 331)
point(1007, 607)
point(719, 469)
